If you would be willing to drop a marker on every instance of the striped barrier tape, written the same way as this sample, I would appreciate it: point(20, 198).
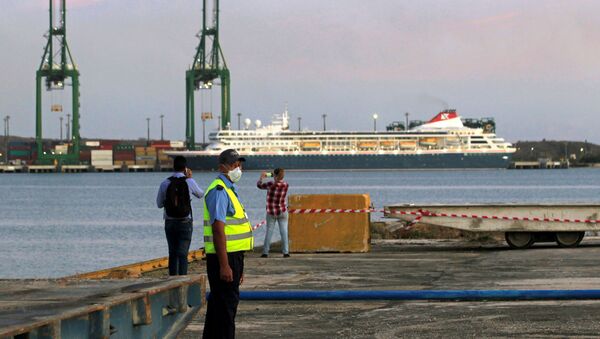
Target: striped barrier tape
point(423, 213)
point(259, 225)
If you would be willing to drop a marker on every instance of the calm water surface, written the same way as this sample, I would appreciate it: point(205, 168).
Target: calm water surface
point(52, 225)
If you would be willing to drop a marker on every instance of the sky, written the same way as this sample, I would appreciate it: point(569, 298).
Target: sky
point(532, 65)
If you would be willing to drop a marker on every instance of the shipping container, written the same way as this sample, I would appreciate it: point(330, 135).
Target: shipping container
point(21, 143)
point(109, 142)
point(102, 157)
point(124, 147)
point(142, 149)
point(177, 144)
point(61, 149)
point(145, 162)
point(162, 155)
point(125, 163)
point(14, 152)
point(85, 155)
point(145, 158)
point(124, 157)
point(20, 148)
point(105, 147)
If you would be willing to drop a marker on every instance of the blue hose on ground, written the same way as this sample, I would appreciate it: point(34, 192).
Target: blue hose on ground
point(448, 295)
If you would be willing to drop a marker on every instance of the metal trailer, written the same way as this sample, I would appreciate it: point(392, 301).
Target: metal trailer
point(522, 224)
point(139, 308)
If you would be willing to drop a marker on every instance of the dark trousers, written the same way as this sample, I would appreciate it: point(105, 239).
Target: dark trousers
point(224, 297)
point(179, 237)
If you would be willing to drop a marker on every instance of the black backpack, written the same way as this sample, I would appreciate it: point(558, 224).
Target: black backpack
point(177, 203)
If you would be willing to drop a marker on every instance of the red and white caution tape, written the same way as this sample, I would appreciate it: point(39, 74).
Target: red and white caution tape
point(328, 210)
point(259, 225)
point(423, 213)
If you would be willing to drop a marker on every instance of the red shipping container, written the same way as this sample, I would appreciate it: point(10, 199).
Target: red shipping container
point(85, 155)
point(19, 148)
point(124, 157)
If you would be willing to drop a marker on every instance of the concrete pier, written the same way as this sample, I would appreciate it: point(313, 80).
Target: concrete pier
point(74, 168)
point(41, 169)
point(11, 169)
point(141, 168)
point(419, 265)
point(141, 308)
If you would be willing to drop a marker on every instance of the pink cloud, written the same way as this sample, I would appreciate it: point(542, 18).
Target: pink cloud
point(495, 19)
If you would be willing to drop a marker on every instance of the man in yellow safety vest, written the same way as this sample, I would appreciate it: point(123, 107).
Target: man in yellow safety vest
point(227, 235)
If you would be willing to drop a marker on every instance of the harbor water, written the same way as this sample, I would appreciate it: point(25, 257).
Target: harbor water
point(52, 225)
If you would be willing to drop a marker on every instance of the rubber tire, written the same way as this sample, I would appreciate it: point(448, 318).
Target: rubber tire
point(574, 238)
point(519, 243)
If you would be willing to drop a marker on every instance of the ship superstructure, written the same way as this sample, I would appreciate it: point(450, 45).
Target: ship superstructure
point(442, 142)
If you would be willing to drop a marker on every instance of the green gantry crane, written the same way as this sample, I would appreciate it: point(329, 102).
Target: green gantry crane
point(209, 64)
point(57, 65)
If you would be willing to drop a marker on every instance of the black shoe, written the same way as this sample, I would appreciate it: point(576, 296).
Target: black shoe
point(286, 255)
point(264, 256)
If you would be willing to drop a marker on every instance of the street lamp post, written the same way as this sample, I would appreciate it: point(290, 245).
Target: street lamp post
point(239, 121)
point(161, 127)
point(375, 116)
point(61, 126)
point(324, 122)
point(299, 123)
point(148, 129)
point(68, 127)
point(6, 137)
point(7, 127)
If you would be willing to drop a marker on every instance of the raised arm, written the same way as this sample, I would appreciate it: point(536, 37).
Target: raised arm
point(195, 190)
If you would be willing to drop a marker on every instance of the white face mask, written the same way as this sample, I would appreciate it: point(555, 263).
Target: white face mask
point(235, 174)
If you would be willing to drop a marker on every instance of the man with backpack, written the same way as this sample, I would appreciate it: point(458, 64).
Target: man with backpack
point(175, 195)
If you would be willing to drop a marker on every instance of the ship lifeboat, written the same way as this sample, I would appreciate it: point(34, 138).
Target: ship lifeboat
point(452, 142)
point(367, 145)
point(408, 144)
point(311, 145)
point(388, 145)
point(429, 142)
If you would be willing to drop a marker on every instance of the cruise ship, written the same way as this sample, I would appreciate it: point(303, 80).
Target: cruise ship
point(443, 142)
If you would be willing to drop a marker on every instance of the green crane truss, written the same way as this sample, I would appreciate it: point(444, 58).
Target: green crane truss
point(209, 64)
point(57, 65)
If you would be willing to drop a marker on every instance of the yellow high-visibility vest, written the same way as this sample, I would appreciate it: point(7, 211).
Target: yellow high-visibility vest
point(238, 229)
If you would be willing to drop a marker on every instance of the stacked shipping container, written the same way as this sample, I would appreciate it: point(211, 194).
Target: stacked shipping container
point(124, 155)
point(21, 151)
point(145, 156)
point(115, 151)
point(102, 158)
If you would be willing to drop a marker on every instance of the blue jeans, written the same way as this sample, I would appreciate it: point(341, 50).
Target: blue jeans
point(282, 220)
point(179, 237)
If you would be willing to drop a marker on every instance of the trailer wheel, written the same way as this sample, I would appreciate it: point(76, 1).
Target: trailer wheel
point(519, 240)
point(569, 239)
